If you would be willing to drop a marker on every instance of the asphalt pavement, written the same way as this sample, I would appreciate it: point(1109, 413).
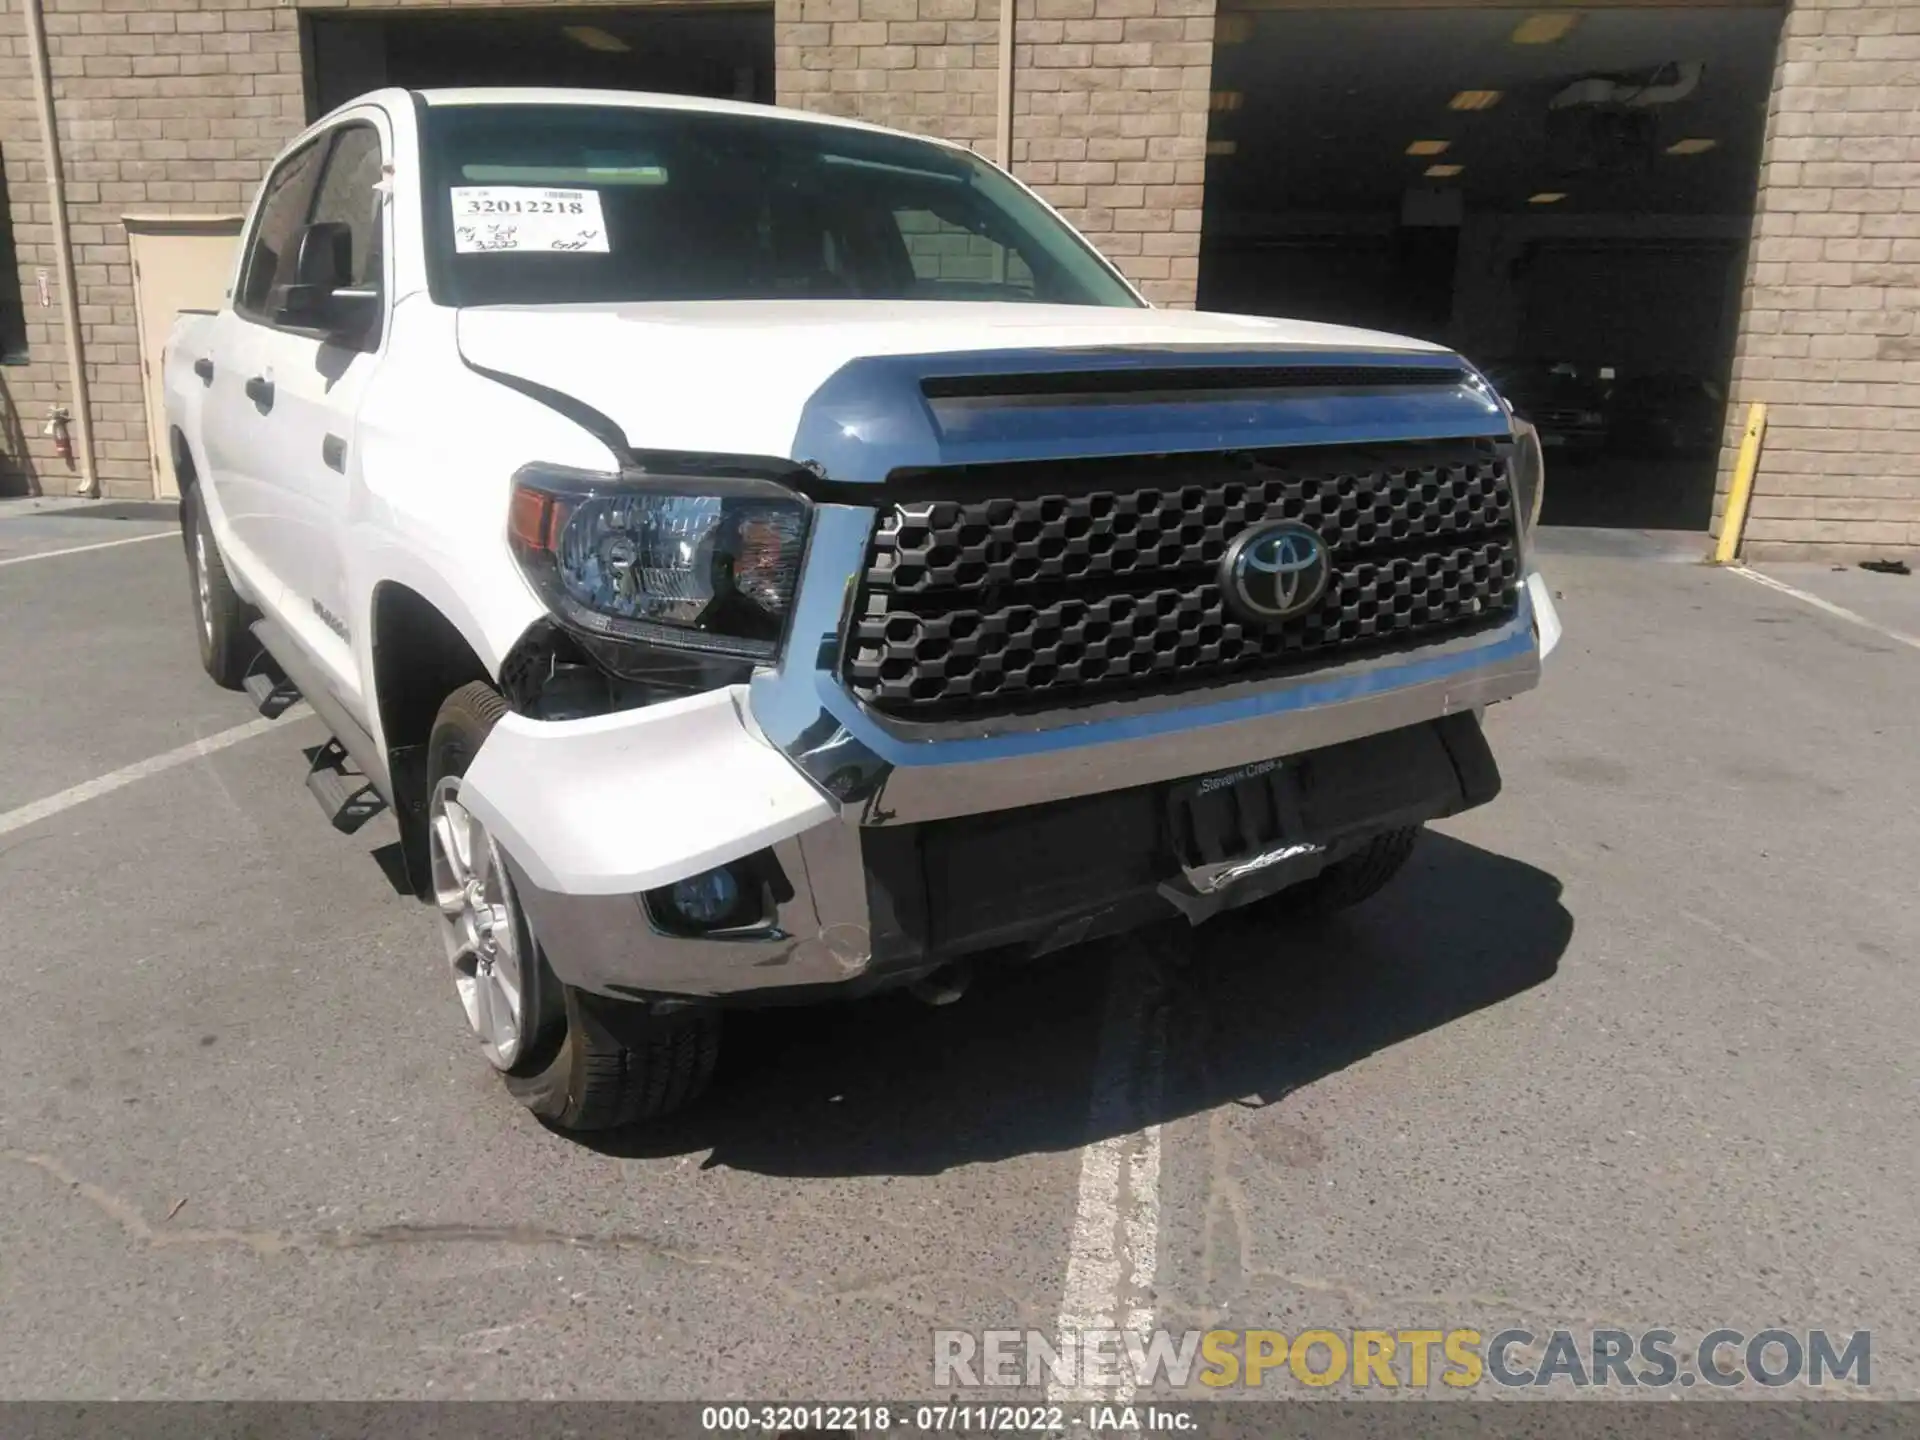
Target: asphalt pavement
point(1632, 1046)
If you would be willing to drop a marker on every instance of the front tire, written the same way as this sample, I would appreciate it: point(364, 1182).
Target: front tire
point(577, 1060)
point(221, 619)
point(620, 1064)
point(1357, 877)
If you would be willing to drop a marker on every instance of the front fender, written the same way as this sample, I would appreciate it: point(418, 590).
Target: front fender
point(488, 630)
point(436, 448)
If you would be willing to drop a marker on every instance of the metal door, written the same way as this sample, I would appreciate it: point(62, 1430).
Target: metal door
point(180, 262)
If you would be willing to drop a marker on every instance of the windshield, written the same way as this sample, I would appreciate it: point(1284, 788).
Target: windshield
point(551, 204)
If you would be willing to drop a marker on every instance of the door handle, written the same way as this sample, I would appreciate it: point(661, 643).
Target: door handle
point(203, 367)
point(260, 391)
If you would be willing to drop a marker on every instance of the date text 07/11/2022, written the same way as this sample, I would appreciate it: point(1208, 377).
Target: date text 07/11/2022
point(946, 1418)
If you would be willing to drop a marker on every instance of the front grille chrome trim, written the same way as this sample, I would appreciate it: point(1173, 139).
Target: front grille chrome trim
point(1099, 578)
point(877, 771)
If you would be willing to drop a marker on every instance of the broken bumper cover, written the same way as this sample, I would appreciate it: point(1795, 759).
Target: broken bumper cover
point(860, 821)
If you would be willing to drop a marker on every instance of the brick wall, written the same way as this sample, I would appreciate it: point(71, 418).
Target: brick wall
point(25, 391)
point(176, 107)
point(1828, 337)
point(1110, 124)
point(922, 65)
point(163, 107)
point(1109, 100)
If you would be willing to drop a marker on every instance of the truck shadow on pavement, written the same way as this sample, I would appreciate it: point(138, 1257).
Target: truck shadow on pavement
point(1245, 1010)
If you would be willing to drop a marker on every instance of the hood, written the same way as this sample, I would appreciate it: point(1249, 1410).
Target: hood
point(799, 379)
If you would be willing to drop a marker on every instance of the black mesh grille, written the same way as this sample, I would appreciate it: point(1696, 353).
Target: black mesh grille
point(1091, 578)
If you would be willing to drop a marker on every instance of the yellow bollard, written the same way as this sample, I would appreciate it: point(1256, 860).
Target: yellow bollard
point(1741, 495)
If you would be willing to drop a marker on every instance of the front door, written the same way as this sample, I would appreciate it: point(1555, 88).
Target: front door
point(303, 389)
point(318, 382)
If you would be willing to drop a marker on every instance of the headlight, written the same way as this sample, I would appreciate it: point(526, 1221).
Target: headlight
point(1529, 472)
point(707, 564)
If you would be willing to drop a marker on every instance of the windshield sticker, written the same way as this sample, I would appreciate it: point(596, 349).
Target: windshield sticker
point(524, 217)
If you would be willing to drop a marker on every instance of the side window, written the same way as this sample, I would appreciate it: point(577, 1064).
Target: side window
point(276, 231)
point(347, 195)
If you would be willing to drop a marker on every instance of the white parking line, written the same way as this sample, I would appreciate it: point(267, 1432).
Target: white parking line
point(1114, 1250)
point(140, 770)
point(82, 549)
point(1838, 611)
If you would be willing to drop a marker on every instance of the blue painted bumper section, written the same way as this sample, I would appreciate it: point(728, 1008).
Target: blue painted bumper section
point(1308, 695)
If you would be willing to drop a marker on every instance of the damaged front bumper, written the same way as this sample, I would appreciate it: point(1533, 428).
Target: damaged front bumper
point(892, 850)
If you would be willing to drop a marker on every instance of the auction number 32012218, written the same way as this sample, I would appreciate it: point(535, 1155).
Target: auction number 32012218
point(788, 1419)
point(491, 205)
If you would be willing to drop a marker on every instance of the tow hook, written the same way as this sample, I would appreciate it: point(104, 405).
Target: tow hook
point(943, 986)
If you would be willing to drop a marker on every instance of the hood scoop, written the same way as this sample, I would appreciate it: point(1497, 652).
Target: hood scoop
point(1147, 379)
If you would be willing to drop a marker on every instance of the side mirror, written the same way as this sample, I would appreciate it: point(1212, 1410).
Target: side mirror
point(322, 295)
point(325, 257)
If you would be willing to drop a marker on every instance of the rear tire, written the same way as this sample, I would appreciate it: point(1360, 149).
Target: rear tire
point(222, 621)
point(1359, 876)
point(577, 1060)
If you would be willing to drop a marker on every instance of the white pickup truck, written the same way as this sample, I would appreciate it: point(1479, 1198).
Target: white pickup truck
point(765, 558)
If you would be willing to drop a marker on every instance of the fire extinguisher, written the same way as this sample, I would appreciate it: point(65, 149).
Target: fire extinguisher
point(59, 423)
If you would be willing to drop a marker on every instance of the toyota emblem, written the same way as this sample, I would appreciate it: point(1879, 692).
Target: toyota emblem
point(1274, 572)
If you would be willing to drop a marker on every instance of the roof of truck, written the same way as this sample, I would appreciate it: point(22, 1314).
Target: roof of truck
point(646, 100)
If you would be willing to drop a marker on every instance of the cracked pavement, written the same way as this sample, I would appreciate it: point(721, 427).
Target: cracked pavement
point(1632, 1046)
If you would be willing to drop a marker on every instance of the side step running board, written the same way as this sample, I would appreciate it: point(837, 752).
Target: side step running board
point(352, 739)
point(347, 796)
point(272, 693)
